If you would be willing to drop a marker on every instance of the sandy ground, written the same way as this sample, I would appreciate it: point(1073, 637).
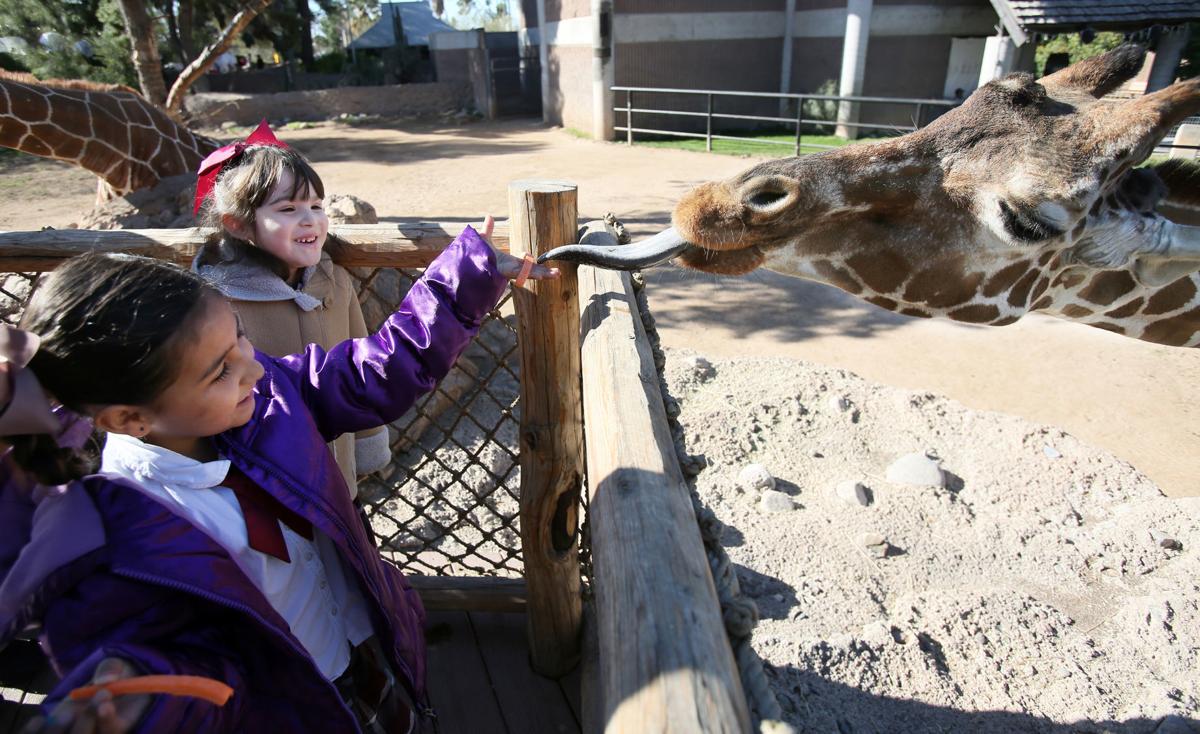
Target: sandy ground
point(1127, 397)
point(1041, 581)
point(1031, 583)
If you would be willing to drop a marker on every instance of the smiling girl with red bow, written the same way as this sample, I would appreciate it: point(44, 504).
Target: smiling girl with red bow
point(269, 258)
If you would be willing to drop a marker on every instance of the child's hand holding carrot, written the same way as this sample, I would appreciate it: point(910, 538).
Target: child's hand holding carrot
point(101, 713)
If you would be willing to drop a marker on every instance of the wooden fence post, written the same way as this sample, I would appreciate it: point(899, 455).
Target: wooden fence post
point(543, 216)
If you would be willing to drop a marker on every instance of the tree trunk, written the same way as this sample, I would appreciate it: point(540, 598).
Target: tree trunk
point(145, 50)
point(187, 30)
point(194, 70)
point(306, 39)
point(168, 10)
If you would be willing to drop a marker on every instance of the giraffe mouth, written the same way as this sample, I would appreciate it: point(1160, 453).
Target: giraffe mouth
point(656, 250)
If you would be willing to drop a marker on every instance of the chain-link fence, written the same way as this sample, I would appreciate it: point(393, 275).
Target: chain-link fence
point(448, 502)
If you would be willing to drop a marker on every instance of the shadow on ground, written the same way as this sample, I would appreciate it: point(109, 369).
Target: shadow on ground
point(815, 704)
point(790, 309)
point(449, 144)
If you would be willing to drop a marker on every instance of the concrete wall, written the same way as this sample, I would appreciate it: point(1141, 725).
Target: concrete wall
point(738, 45)
point(436, 98)
point(569, 63)
point(460, 57)
point(268, 80)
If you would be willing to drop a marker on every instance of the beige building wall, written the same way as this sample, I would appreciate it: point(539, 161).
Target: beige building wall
point(569, 68)
point(737, 45)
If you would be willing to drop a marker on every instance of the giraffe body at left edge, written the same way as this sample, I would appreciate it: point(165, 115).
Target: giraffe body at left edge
point(110, 130)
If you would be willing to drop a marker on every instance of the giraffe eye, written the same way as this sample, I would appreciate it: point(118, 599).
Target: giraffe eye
point(1025, 225)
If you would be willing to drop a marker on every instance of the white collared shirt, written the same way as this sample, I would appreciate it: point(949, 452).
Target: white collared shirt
point(314, 593)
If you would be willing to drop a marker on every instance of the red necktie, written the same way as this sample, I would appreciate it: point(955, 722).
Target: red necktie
point(263, 514)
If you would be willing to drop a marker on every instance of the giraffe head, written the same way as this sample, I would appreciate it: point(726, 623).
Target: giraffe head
point(1023, 198)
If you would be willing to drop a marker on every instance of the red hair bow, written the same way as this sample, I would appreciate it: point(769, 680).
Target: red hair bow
point(211, 166)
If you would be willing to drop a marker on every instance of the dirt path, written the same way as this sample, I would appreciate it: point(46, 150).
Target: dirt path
point(1130, 398)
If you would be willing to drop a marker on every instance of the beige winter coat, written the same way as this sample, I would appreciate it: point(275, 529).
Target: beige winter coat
point(281, 327)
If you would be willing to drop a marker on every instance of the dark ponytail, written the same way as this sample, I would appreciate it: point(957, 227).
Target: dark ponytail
point(109, 327)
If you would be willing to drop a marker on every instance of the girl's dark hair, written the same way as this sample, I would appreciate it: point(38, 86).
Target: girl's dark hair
point(110, 326)
point(242, 187)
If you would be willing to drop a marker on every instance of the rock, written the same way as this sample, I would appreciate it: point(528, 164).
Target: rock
point(877, 634)
point(348, 209)
point(1051, 452)
point(852, 493)
point(875, 544)
point(167, 202)
point(700, 368)
point(773, 501)
point(917, 470)
point(1162, 540)
point(755, 477)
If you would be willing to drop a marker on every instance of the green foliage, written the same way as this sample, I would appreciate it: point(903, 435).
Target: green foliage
point(490, 15)
point(344, 20)
point(98, 22)
point(1077, 50)
point(8, 62)
point(823, 109)
point(333, 62)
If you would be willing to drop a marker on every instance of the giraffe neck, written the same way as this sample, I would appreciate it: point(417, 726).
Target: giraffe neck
point(1113, 300)
point(108, 130)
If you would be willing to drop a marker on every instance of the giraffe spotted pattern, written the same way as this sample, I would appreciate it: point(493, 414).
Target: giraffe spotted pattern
point(109, 130)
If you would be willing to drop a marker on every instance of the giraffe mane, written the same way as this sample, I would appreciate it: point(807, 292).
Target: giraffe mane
point(81, 84)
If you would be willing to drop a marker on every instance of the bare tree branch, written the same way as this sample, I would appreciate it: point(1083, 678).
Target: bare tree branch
point(196, 69)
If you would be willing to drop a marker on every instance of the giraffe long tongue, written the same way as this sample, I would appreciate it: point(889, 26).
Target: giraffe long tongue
point(647, 253)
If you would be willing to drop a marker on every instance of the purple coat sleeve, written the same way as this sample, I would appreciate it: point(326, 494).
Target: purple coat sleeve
point(362, 383)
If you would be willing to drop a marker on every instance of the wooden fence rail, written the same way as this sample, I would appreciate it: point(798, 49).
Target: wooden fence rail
point(396, 245)
point(665, 660)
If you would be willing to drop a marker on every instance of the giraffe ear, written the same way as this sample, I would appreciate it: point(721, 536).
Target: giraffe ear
point(1102, 74)
point(1128, 131)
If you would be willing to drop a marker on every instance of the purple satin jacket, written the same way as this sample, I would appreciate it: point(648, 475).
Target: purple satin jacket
point(111, 572)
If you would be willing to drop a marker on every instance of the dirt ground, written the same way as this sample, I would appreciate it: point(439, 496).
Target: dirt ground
point(1127, 397)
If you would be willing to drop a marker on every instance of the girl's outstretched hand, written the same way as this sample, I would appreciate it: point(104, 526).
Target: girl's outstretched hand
point(511, 267)
point(102, 713)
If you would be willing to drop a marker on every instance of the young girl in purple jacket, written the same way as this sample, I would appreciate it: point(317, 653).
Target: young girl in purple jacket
point(218, 538)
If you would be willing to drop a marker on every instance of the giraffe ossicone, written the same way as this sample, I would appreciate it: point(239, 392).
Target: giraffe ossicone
point(1024, 198)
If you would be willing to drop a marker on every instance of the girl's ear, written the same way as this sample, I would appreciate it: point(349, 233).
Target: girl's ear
point(237, 227)
point(127, 419)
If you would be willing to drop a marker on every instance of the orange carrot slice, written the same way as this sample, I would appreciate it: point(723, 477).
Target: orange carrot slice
point(213, 691)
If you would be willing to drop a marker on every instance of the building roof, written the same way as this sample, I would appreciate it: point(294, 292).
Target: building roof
point(1024, 17)
point(415, 17)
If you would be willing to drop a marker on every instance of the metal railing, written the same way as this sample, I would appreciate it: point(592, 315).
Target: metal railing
point(798, 120)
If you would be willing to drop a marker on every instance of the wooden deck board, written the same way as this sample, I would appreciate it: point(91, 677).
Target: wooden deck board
point(457, 679)
point(529, 702)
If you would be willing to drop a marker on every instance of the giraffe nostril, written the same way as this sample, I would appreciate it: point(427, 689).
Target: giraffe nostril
point(766, 198)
